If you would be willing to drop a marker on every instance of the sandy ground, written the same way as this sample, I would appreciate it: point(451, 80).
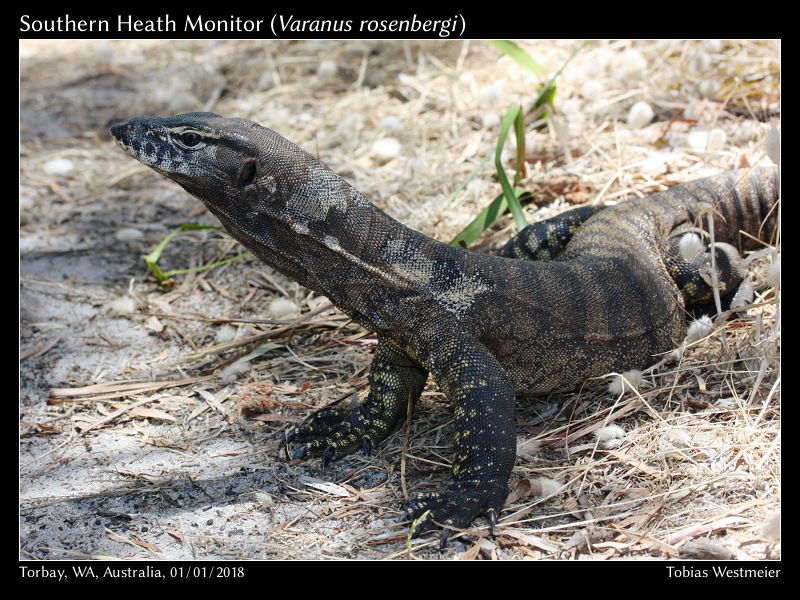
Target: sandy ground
point(157, 461)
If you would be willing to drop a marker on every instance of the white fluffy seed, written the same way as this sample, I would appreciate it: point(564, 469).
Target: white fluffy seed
point(640, 115)
point(153, 324)
point(632, 64)
point(699, 329)
point(717, 139)
point(547, 486)
point(327, 68)
point(610, 436)
point(528, 449)
point(491, 93)
point(773, 144)
point(679, 436)
point(229, 373)
point(391, 123)
point(225, 333)
point(59, 166)
point(707, 141)
point(700, 62)
point(128, 234)
point(264, 500)
point(283, 308)
point(571, 106)
point(591, 90)
point(708, 87)
point(386, 148)
point(629, 381)
point(491, 120)
point(609, 432)
point(265, 82)
point(123, 305)
point(689, 246)
point(774, 273)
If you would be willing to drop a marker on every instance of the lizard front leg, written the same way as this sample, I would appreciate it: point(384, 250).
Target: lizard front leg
point(485, 440)
point(334, 433)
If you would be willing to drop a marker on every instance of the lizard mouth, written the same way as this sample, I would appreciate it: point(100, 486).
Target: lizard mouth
point(124, 135)
point(118, 130)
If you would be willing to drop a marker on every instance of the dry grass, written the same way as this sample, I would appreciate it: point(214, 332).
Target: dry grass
point(694, 470)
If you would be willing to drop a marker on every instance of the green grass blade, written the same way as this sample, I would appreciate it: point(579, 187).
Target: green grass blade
point(514, 117)
point(156, 253)
point(469, 178)
point(522, 58)
point(206, 267)
point(151, 260)
point(547, 93)
point(496, 208)
point(519, 130)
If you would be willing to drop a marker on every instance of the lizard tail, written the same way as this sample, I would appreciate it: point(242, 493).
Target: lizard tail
point(744, 203)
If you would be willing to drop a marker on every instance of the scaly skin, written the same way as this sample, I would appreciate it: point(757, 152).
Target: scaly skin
point(484, 327)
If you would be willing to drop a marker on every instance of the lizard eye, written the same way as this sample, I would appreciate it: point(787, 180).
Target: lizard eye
point(190, 138)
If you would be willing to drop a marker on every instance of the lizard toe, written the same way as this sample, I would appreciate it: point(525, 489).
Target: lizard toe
point(300, 453)
point(328, 455)
point(456, 506)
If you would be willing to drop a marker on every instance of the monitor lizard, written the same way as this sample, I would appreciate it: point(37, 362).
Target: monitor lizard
point(607, 292)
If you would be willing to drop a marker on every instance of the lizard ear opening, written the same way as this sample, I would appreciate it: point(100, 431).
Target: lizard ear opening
point(246, 174)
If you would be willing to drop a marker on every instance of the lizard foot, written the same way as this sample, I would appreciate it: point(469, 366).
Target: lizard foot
point(334, 433)
point(457, 506)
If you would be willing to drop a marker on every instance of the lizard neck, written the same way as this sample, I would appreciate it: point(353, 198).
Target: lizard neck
point(328, 237)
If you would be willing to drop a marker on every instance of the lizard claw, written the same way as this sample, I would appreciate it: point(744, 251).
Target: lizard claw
point(443, 540)
point(291, 435)
point(491, 515)
point(328, 455)
point(300, 453)
point(367, 446)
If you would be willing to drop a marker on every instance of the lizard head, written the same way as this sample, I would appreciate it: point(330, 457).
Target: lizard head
point(250, 177)
point(232, 165)
point(193, 148)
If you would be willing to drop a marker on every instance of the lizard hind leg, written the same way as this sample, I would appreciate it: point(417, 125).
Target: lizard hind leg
point(689, 261)
point(545, 240)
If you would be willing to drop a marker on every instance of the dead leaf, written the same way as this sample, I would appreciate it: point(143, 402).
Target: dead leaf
point(149, 413)
point(644, 468)
point(705, 550)
point(472, 552)
point(521, 490)
point(326, 486)
point(698, 530)
point(212, 400)
point(527, 539)
point(153, 324)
